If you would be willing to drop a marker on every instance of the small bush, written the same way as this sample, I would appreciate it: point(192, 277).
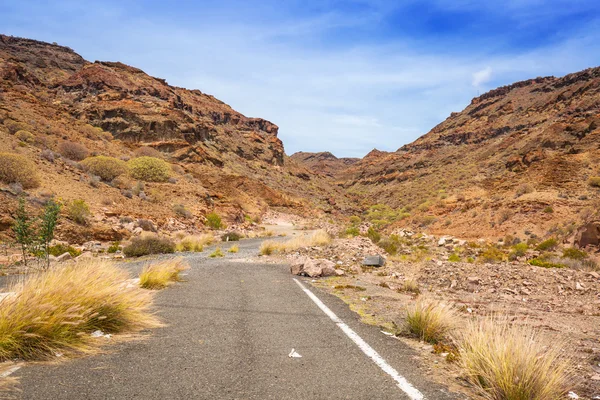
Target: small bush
point(55, 311)
point(411, 286)
point(15, 168)
point(352, 231)
point(73, 151)
point(181, 211)
point(234, 249)
point(25, 136)
point(594, 181)
point(146, 225)
point(492, 254)
point(217, 253)
point(548, 210)
point(548, 244)
point(107, 168)
point(78, 211)
point(231, 237)
point(574, 253)
point(429, 321)
point(389, 245)
point(213, 220)
point(146, 245)
point(373, 235)
point(319, 238)
point(507, 362)
point(454, 257)
point(194, 243)
point(161, 275)
point(524, 189)
point(114, 247)
point(268, 247)
point(60, 249)
point(48, 155)
point(545, 264)
point(355, 220)
point(149, 169)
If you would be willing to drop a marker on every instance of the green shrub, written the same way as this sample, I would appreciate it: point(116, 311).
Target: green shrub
point(574, 253)
point(545, 264)
point(149, 169)
point(548, 210)
point(59, 249)
point(594, 181)
point(354, 220)
point(114, 247)
point(352, 231)
point(492, 254)
point(373, 235)
point(389, 245)
point(548, 244)
point(213, 220)
point(146, 245)
point(73, 151)
point(15, 168)
point(231, 237)
point(217, 253)
point(25, 136)
point(454, 257)
point(107, 168)
point(78, 211)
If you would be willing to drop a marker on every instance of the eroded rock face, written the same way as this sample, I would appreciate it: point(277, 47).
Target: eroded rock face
point(588, 235)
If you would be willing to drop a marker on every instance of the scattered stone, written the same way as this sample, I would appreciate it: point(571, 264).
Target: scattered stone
point(64, 257)
point(374, 261)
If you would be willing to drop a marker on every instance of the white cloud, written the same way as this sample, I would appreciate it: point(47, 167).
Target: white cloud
point(482, 76)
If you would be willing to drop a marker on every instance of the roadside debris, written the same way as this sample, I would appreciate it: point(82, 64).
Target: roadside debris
point(294, 354)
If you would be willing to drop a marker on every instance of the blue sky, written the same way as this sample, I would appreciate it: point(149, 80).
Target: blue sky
point(343, 76)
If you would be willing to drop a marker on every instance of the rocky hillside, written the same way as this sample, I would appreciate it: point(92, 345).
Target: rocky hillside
point(53, 102)
point(520, 158)
point(323, 163)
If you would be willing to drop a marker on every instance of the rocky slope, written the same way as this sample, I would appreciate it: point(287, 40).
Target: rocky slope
point(323, 163)
point(222, 160)
point(518, 159)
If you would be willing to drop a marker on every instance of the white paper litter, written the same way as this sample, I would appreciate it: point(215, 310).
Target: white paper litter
point(572, 395)
point(294, 354)
point(99, 333)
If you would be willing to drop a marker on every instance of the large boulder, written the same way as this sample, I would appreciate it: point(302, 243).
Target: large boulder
point(305, 266)
point(588, 234)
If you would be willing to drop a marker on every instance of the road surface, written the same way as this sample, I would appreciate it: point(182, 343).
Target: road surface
point(229, 331)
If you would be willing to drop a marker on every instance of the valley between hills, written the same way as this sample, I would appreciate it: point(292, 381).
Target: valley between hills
point(493, 212)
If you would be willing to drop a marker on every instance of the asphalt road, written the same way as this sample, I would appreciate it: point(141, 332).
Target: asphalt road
point(229, 330)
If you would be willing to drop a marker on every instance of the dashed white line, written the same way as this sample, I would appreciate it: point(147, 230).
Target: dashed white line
point(401, 382)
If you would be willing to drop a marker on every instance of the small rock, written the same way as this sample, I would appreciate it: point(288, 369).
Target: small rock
point(474, 280)
point(339, 272)
point(579, 286)
point(64, 257)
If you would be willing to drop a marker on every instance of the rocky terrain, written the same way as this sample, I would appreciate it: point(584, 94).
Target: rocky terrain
point(221, 160)
point(323, 163)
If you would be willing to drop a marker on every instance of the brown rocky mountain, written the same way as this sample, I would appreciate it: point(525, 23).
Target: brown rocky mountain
point(519, 158)
point(222, 160)
point(323, 163)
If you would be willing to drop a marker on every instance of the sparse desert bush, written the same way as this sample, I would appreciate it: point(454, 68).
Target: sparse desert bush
point(194, 243)
point(389, 245)
point(319, 238)
point(518, 250)
point(594, 181)
point(430, 321)
point(509, 362)
point(548, 244)
point(181, 211)
point(268, 247)
point(538, 262)
point(492, 254)
point(25, 136)
point(352, 231)
point(142, 246)
point(146, 225)
point(161, 275)
point(523, 189)
point(73, 151)
point(504, 216)
point(78, 211)
point(48, 155)
point(16, 168)
point(114, 247)
point(373, 235)
point(574, 253)
point(355, 220)
point(107, 168)
point(231, 237)
point(213, 220)
point(59, 249)
point(454, 257)
point(146, 151)
point(548, 210)
point(217, 253)
point(56, 310)
point(149, 169)
point(234, 249)
point(411, 286)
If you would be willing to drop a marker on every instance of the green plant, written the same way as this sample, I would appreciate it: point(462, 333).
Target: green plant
point(217, 253)
point(373, 235)
point(23, 229)
point(231, 237)
point(194, 243)
point(545, 264)
point(548, 210)
point(78, 211)
point(149, 169)
point(48, 222)
point(114, 247)
point(16, 168)
point(389, 245)
point(510, 362)
point(213, 220)
point(161, 275)
point(56, 310)
point(59, 249)
point(574, 253)
point(355, 220)
point(548, 244)
point(107, 168)
point(429, 321)
point(25, 136)
point(352, 231)
point(492, 254)
point(151, 244)
point(234, 249)
point(454, 257)
point(268, 247)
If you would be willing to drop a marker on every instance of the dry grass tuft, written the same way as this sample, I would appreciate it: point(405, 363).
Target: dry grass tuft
point(234, 249)
point(318, 238)
point(507, 362)
point(56, 310)
point(411, 286)
point(269, 247)
point(161, 275)
point(430, 321)
point(217, 253)
point(194, 243)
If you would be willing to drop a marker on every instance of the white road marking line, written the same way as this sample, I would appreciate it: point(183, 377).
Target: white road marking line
point(9, 372)
point(401, 382)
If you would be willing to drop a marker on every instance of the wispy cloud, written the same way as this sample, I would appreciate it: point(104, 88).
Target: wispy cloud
point(343, 76)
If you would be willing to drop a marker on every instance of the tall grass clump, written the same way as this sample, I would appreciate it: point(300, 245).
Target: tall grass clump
point(194, 243)
point(268, 247)
point(430, 321)
point(161, 275)
point(234, 249)
point(508, 362)
point(56, 310)
point(16, 168)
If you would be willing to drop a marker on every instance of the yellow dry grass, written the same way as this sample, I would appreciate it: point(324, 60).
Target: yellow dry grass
point(161, 275)
point(194, 243)
point(56, 310)
point(508, 362)
point(234, 249)
point(318, 238)
point(430, 321)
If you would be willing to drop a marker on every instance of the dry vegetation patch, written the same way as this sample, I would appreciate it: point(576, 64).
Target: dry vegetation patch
point(107, 168)
point(16, 168)
point(161, 275)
